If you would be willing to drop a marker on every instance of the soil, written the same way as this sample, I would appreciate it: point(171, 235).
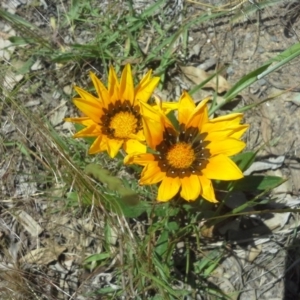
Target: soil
point(265, 268)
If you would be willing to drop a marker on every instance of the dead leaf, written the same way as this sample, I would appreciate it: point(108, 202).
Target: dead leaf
point(278, 220)
point(43, 256)
point(207, 232)
point(198, 75)
point(59, 114)
point(30, 225)
point(271, 163)
point(295, 172)
point(254, 252)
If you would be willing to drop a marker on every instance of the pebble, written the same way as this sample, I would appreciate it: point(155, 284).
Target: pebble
point(262, 82)
point(274, 38)
point(10, 81)
point(37, 65)
point(56, 95)
point(67, 89)
point(261, 49)
point(4, 53)
point(32, 103)
point(6, 48)
point(230, 70)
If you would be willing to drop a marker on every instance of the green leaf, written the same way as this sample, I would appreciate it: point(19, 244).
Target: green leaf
point(245, 82)
point(260, 183)
point(89, 140)
point(121, 199)
point(281, 59)
point(162, 244)
point(172, 226)
point(284, 57)
point(133, 211)
point(208, 263)
point(171, 116)
point(18, 41)
point(26, 66)
point(16, 20)
point(97, 257)
point(165, 286)
point(113, 183)
point(107, 290)
point(244, 160)
point(165, 209)
point(74, 198)
point(148, 12)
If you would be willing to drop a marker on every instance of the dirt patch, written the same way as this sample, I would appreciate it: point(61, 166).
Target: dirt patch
point(255, 267)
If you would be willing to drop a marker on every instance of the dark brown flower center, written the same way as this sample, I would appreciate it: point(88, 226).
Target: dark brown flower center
point(183, 154)
point(120, 120)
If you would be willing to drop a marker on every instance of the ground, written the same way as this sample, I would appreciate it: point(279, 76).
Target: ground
point(261, 256)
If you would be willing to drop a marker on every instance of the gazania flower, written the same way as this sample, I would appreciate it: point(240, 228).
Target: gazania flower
point(188, 158)
point(114, 116)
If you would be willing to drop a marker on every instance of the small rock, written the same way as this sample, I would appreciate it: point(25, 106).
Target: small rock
point(262, 82)
point(3, 45)
point(10, 80)
point(261, 49)
point(56, 95)
point(37, 65)
point(44, 4)
point(230, 71)
point(8, 127)
point(67, 89)
point(32, 103)
point(6, 49)
point(274, 38)
point(58, 116)
point(68, 126)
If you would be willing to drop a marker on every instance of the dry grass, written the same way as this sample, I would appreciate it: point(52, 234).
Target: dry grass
point(73, 240)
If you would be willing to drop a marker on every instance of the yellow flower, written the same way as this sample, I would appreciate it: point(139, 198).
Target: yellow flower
point(114, 116)
point(187, 159)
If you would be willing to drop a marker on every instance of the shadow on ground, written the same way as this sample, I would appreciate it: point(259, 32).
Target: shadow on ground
point(292, 272)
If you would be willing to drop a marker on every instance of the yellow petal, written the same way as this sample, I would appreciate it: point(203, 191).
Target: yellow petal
point(153, 132)
point(199, 115)
point(216, 135)
point(89, 108)
point(151, 174)
point(231, 124)
point(186, 108)
point(228, 120)
point(89, 131)
point(239, 131)
point(126, 85)
point(138, 136)
point(169, 106)
point(97, 146)
point(134, 146)
point(87, 96)
point(100, 89)
point(208, 192)
point(190, 187)
point(228, 147)
point(146, 87)
point(221, 167)
point(153, 125)
point(139, 159)
point(113, 146)
point(168, 188)
point(86, 121)
point(113, 86)
point(217, 131)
